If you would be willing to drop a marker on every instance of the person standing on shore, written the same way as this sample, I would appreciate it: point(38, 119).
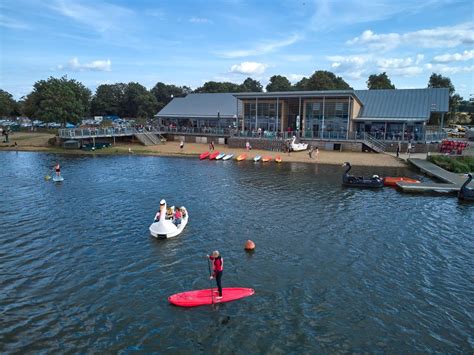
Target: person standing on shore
point(398, 150)
point(217, 270)
point(310, 152)
point(317, 153)
point(181, 146)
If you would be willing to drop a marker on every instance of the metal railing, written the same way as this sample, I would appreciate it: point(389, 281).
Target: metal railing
point(94, 132)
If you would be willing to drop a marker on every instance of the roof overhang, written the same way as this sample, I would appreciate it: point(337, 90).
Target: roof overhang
point(297, 94)
point(391, 119)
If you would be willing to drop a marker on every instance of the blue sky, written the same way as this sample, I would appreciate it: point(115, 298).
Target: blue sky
point(191, 42)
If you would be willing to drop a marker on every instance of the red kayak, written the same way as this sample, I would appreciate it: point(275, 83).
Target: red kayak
point(392, 181)
point(205, 297)
point(204, 155)
point(213, 155)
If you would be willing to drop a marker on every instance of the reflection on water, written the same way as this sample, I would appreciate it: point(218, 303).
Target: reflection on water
point(335, 269)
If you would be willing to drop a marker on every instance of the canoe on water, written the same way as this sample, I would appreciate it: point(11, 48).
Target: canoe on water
point(392, 181)
point(209, 296)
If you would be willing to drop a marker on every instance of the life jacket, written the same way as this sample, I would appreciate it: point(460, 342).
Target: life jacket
point(218, 263)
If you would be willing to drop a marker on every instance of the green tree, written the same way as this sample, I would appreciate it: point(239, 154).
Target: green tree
point(380, 81)
point(439, 81)
point(138, 102)
point(60, 100)
point(8, 106)
point(108, 100)
point(216, 87)
point(164, 93)
point(251, 85)
point(322, 80)
point(278, 83)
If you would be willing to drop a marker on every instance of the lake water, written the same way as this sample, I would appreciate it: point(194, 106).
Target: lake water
point(335, 269)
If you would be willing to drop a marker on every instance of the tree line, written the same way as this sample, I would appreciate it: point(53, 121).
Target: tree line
point(68, 100)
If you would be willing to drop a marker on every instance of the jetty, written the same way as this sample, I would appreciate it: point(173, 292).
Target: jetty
point(452, 181)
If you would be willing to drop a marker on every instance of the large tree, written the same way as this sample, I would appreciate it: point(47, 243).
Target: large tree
point(138, 101)
point(215, 87)
point(439, 81)
point(164, 93)
point(108, 99)
point(60, 100)
point(380, 81)
point(251, 85)
point(278, 83)
point(8, 106)
point(322, 80)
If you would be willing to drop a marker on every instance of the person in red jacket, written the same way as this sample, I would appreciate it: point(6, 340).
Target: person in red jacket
point(217, 269)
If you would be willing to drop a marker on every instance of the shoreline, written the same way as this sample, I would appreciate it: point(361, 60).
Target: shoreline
point(38, 142)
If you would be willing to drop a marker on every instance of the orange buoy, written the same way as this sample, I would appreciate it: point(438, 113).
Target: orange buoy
point(249, 245)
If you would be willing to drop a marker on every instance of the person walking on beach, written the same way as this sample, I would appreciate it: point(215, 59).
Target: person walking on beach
point(310, 152)
point(398, 150)
point(317, 153)
point(181, 146)
point(211, 146)
point(217, 270)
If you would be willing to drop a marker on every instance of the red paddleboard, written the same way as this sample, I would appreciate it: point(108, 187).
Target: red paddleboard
point(204, 155)
point(213, 155)
point(392, 181)
point(204, 297)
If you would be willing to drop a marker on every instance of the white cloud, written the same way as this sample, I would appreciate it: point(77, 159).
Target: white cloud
point(439, 37)
point(445, 69)
point(96, 65)
point(294, 78)
point(199, 20)
point(357, 67)
point(262, 48)
point(249, 68)
point(456, 57)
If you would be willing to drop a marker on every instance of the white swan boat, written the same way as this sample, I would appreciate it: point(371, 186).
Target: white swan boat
point(296, 147)
point(164, 227)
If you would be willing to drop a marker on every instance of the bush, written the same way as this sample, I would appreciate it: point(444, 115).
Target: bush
point(454, 164)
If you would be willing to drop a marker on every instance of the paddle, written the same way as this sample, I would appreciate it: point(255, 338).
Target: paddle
point(210, 274)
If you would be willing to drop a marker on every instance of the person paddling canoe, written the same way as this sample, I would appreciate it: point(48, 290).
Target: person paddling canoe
point(217, 269)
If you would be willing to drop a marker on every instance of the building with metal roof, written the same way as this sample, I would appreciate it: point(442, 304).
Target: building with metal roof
point(387, 114)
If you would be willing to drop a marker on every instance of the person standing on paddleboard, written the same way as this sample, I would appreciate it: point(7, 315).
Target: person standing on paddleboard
point(57, 168)
point(217, 269)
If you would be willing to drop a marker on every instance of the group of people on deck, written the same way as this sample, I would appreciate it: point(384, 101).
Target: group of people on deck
point(175, 215)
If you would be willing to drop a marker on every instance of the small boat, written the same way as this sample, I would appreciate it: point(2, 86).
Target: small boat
point(297, 147)
point(352, 181)
point(466, 193)
point(265, 159)
point(57, 178)
point(392, 181)
point(241, 157)
point(204, 155)
point(228, 156)
point(278, 159)
point(213, 156)
point(220, 156)
point(164, 227)
point(257, 158)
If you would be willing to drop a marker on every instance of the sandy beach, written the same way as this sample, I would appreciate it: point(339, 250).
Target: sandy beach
point(39, 142)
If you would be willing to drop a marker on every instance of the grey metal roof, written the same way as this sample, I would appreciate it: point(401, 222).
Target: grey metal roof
point(403, 103)
point(201, 106)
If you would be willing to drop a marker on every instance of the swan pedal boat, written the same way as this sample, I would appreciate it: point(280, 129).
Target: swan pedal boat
point(466, 193)
point(297, 147)
point(165, 228)
point(360, 181)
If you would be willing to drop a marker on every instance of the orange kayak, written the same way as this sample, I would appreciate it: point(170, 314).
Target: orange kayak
point(265, 159)
point(204, 155)
point(392, 181)
point(278, 159)
point(241, 157)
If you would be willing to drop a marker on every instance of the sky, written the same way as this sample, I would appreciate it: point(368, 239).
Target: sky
point(190, 42)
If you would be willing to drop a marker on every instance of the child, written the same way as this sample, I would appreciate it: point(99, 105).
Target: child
point(217, 269)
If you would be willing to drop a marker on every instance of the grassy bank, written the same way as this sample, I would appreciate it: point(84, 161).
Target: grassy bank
point(454, 164)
